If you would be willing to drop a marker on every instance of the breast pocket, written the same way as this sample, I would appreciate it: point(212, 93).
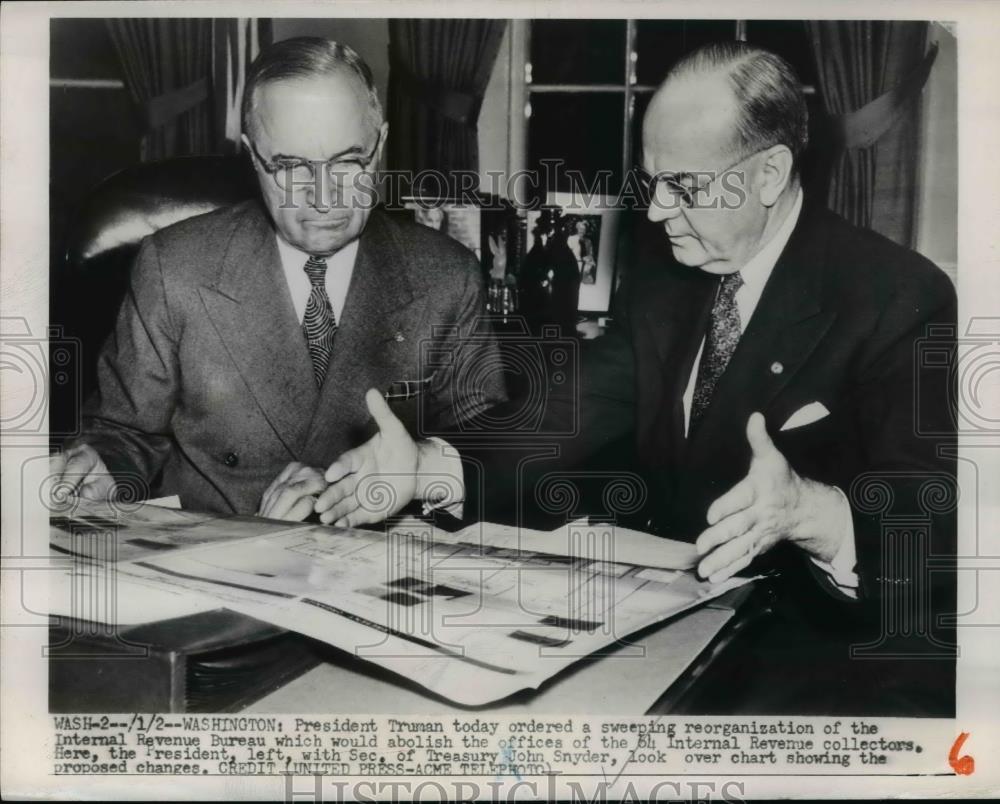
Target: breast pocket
point(817, 447)
point(412, 400)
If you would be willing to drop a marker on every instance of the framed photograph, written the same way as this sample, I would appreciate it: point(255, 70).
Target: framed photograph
point(486, 230)
point(584, 232)
point(461, 222)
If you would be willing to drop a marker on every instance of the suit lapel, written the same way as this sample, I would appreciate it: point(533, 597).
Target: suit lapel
point(251, 308)
point(675, 317)
point(786, 326)
point(377, 312)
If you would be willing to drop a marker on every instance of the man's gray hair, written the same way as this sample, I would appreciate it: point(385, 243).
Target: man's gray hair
point(307, 57)
point(771, 106)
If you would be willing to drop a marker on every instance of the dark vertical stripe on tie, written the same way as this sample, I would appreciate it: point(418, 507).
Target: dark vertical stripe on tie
point(319, 323)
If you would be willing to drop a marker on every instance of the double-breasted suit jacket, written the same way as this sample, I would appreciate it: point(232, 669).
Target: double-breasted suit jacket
point(206, 388)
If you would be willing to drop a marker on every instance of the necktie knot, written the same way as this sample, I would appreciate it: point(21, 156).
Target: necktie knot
point(315, 269)
point(731, 283)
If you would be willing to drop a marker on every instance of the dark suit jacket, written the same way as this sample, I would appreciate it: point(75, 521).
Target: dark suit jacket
point(206, 387)
point(843, 320)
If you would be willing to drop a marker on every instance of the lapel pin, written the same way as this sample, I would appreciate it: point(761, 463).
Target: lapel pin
point(777, 368)
point(399, 337)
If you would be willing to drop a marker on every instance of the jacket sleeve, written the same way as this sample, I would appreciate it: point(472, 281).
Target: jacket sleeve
point(578, 399)
point(907, 421)
point(128, 419)
point(901, 484)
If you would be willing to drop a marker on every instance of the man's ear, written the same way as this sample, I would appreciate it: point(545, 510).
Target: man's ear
point(246, 144)
point(384, 135)
point(776, 173)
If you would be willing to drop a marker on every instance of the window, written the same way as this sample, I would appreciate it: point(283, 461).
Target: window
point(587, 83)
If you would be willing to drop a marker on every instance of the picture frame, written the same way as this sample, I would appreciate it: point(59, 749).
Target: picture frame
point(484, 227)
point(586, 226)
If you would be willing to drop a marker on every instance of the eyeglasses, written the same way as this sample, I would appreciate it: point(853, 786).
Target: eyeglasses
point(674, 183)
point(290, 172)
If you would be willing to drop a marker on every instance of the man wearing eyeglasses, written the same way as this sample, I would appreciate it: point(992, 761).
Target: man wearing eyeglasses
point(784, 408)
point(258, 343)
point(767, 367)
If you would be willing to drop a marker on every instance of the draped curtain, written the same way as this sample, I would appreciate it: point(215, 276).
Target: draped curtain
point(870, 75)
point(186, 78)
point(236, 43)
point(166, 64)
point(439, 69)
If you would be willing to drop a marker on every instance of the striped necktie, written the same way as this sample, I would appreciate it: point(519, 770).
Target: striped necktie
point(319, 324)
point(720, 343)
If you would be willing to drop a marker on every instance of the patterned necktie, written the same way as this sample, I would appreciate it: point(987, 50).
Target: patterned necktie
point(720, 343)
point(319, 324)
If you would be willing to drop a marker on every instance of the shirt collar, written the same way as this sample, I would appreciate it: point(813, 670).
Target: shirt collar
point(293, 259)
point(758, 269)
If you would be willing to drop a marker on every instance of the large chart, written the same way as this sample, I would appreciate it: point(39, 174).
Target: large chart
point(471, 618)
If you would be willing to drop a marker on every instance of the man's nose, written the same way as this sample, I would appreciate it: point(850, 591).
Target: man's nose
point(323, 193)
point(663, 206)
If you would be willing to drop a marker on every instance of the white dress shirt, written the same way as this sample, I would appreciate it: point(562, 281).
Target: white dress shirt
point(755, 275)
point(339, 268)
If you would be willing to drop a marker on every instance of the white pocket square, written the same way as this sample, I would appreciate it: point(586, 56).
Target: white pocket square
point(812, 412)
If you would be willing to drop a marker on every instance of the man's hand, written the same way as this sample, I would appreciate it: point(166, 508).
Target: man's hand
point(292, 493)
point(389, 458)
point(80, 472)
point(770, 504)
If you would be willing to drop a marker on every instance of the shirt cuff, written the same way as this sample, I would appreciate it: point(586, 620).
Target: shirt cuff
point(444, 480)
point(840, 570)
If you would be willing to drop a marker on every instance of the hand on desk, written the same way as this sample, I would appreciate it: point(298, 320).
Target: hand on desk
point(292, 493)
point(80, 471)
point(770, 504)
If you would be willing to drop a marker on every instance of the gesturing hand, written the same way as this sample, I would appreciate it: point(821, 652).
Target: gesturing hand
point(292, 493)
point(770, 504)
point(390, 457)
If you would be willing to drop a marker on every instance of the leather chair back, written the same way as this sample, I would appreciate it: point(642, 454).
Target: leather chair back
point(137, 201)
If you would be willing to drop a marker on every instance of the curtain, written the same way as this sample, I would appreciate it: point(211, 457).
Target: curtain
point(870, 76)
point(166, 65)
point(235, 44)
point(439, 69)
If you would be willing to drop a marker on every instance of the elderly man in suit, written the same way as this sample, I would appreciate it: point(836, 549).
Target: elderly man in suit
point(766, 365)
point(243, 351)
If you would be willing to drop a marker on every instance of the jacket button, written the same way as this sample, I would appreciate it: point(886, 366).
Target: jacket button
point(231, 459)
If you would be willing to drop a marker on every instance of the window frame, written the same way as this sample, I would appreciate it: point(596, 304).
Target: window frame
point(522, 88)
